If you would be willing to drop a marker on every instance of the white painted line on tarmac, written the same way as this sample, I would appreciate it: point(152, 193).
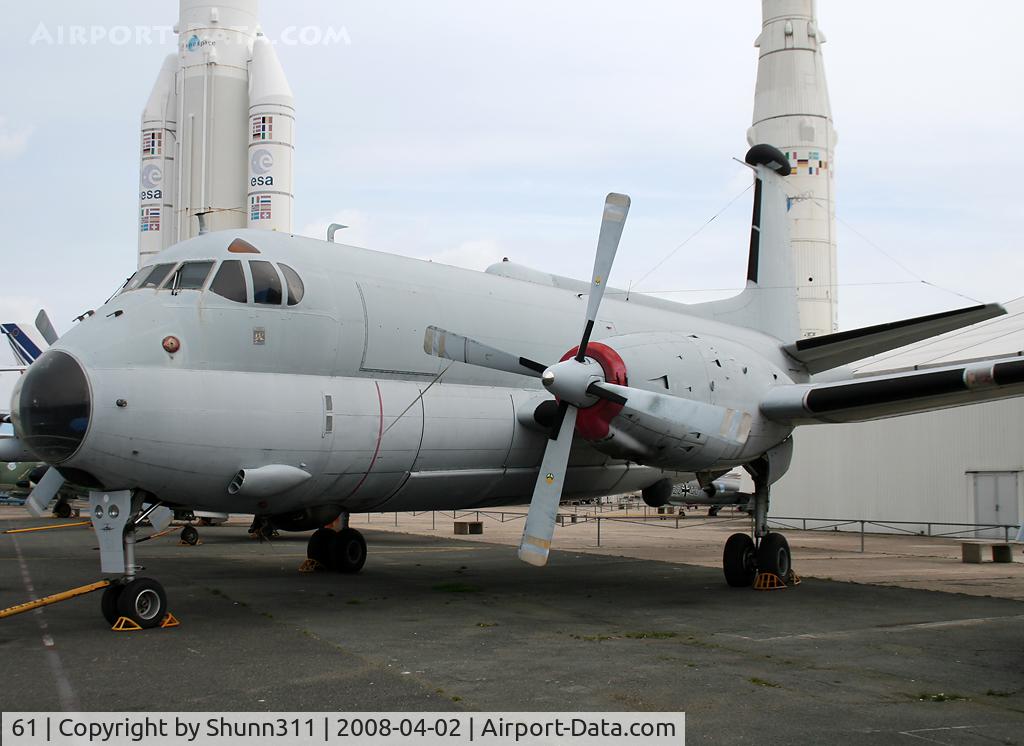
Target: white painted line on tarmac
point(65, 692)
point(840, 634)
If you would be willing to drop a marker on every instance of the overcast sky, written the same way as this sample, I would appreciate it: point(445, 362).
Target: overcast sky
point(466, 131)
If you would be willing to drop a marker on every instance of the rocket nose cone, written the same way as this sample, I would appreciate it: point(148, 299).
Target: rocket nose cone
point(52, 406)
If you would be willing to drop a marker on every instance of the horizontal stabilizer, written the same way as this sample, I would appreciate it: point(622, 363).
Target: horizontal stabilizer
point(832, 350)
point(878, 397)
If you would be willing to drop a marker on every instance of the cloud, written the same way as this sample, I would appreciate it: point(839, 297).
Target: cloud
point(477, 254)
point(12, 142)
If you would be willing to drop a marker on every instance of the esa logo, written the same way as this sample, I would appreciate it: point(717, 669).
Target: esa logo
point(152, 178)
point(260, 162)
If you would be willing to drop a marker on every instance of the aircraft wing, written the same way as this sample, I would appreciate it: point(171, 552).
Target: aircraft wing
point(832, 350)
point(877, 397)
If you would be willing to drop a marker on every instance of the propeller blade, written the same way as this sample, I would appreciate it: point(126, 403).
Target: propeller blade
point(451, 346)
point(44, 492)
point(160, 518)
point(683, 418)
point(540, 521)
point(616, 207)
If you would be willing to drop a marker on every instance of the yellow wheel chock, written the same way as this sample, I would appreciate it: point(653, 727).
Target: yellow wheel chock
point(311, 565)
point(768, 581)
point(124, 624)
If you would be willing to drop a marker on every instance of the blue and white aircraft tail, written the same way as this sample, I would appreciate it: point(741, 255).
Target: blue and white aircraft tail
point(29, 342)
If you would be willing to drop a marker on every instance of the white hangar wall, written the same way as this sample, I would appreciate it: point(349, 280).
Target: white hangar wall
point(922, 468)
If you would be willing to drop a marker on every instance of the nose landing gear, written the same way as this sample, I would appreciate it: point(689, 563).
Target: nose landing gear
point(131, 602)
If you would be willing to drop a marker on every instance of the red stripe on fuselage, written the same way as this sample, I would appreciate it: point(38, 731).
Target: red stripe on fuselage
point(380, 437)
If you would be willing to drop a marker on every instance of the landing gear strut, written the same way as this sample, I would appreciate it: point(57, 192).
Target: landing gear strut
point(141, 600)
point(341, 551)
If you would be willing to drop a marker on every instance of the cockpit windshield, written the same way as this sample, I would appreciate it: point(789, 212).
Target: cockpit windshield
point(157, 276)
point(266, 284)
point(190, 276)
point(295, 287)
point(229, 282)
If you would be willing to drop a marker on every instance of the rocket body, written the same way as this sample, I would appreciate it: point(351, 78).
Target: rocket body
point(792, 112)
point(201, 112)
point(271, 138)
point(157, 171)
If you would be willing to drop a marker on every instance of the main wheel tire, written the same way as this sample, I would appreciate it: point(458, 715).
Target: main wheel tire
point(62, 509)
point(108, 602)
point(144, 601)
point(348, 551)
point(739, 560)
point(190, 535)
point(773, 555)
point(319, 546)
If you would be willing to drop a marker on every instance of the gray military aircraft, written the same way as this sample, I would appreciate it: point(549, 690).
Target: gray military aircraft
point(299, 380)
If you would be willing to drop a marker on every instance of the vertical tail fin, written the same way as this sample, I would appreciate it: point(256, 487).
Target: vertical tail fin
point(769, 301)
point(26, 342)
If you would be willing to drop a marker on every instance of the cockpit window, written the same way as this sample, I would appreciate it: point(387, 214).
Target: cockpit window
point(157, 276)
point(229, 281)
point(191, 276)
point(266, 284)
point(295, 287)
point(133, 282)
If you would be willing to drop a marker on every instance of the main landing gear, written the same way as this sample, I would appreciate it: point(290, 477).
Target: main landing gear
point(764, 554)
point(341, 551)
point(130, 600)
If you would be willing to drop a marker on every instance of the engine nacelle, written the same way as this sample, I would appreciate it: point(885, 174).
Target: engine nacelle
point(729, 376)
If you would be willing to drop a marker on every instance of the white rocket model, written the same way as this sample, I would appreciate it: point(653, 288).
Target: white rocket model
point(792, 112)
point(218, 131)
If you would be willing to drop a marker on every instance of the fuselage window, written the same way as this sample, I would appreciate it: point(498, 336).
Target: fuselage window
point(157, 276)
point(295, 287)
point(229, 281)
point(266, 284)
point(191, 276)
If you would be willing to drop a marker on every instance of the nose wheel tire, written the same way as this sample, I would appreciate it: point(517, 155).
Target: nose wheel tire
point(108, 602)
point(739, 560)
point(190, 535)
point(348, 551)
point(773, 555)
point(62, 509)
point(144, 601)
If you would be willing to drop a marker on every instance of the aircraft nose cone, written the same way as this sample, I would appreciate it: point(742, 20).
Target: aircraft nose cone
point(51, 407)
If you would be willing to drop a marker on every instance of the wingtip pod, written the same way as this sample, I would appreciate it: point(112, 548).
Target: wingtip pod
point(770, 157)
